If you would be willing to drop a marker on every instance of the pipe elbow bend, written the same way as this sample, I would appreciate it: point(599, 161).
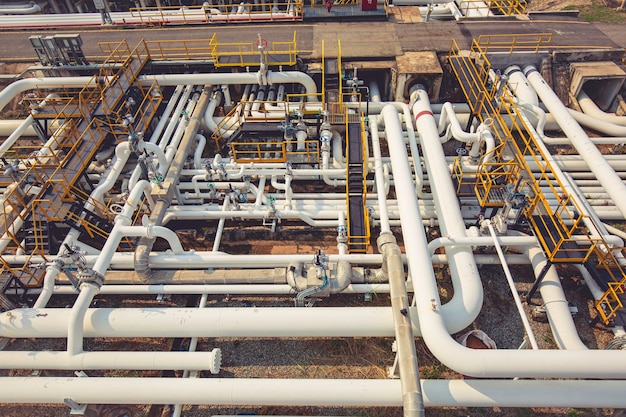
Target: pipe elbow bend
point(342, 279)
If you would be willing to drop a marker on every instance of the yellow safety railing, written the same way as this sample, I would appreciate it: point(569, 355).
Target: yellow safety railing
point(508, 43)
point(472, 69)
point(270, 151)
point(190, 49)
point(473, 75)
point(54, 169)
point(227, 125)
point(498, 7)
point(292, 10)
point(63, 104)
point(508, 7)
point(610, 303)
point(116, 52)
point(565, 234)
point(246, 54)
point(358, 243)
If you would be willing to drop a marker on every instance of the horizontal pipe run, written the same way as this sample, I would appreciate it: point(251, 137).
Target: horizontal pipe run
point(313, 392)
point(209, 322)
point(198, 361)
point(215, 289)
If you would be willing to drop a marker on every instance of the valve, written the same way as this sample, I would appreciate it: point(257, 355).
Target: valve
point(320, 260)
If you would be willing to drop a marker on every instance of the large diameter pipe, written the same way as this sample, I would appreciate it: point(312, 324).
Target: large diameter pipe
point(556, 305)
point(468, 293)
point(212, 322)
point(12, 90)
point(590, 153)
point(314, 392)
point(499, 363)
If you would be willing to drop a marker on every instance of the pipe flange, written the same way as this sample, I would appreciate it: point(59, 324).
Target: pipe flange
point(384, 239)
point(217, 361)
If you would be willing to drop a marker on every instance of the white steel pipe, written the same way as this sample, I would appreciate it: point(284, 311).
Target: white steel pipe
point(210, 322)
point(315, 392)
point(594, 123)
point(285, 77)
point(555, 303)
point(589, 107)
point(589, 152)
point(378, 171)
point(468, 293)
point(140, 360)
point(516, 298)
point(12, 90)
point(501, 363)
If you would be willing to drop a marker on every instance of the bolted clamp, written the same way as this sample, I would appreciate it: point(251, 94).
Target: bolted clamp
point(89, 276)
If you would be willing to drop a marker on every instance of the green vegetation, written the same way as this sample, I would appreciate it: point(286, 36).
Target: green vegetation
point(598, 12)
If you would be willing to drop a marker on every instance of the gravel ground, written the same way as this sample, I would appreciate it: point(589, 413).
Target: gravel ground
point(336, 358)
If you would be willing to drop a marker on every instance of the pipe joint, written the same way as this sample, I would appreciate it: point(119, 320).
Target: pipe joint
point(384, 239)
point(89, 276)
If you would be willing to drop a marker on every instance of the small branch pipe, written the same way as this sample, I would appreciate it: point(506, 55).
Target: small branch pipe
point(380, 179)
point(152, 232)
point(509, 278)
point(313, 392)
point(590, 153)
point(167, 112)
point(193, 344)
point(18, 9)
point(77, 315)
point(197, 156)
point(158, 152)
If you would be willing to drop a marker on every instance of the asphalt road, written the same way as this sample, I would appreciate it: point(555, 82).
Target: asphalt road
point(366, 40)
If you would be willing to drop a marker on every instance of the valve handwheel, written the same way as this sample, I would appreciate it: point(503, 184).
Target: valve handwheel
point(261, 43)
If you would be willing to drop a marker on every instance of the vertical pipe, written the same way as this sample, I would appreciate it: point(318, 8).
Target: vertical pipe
point(468, 292)
point(220, 227)
point(380, 179)
point(407, 201)
point(193, 343)
point(75, 323)
point(516, 297)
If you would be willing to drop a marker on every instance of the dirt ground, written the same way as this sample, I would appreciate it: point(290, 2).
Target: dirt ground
point(553, 5)
point(328, 358)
